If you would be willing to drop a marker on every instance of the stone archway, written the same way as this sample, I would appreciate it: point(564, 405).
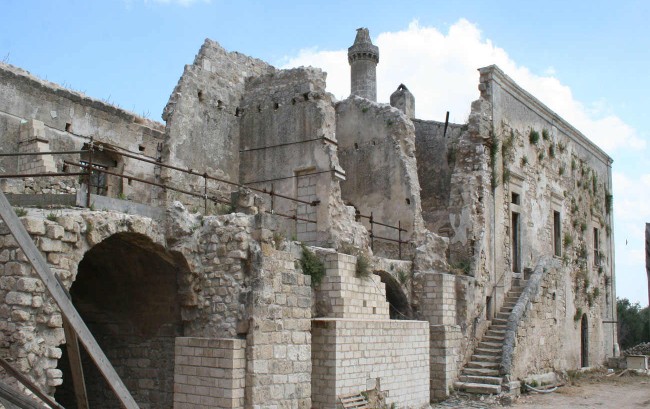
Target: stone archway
point(127, 292)
point(399, 306)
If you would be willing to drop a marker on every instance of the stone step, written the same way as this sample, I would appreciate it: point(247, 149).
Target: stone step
point(480, 388)
point(480, 372)
point(488, 351)
point(493, 330)
point(485, 358)
point(491, 345)
point(490, 380)
point(494, 338)
point(499, 322)
point(484, 365)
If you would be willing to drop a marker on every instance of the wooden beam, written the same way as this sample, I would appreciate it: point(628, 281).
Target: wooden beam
point(20, 377)
point(74, 356)
point(12, 399)
point(65, 305)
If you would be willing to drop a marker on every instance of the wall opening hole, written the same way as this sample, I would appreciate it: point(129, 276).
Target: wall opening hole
point(514, 198)
point(68, 127)
point(219, 104)
point(356, 145)
point(276, 105)
point(141, 148)
point(237, 111)
point(408, 201)
point(259, 108)
point(293, 101)
point(306, 96)
point(200, 95)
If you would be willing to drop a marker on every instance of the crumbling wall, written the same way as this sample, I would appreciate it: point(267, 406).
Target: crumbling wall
point(202, 118)
point(60, 119)
point(288, 146)
point(377, 152)
point(436, 161)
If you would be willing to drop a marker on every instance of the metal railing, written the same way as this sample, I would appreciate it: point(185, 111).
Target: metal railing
point(88, 168)
point(371, 219)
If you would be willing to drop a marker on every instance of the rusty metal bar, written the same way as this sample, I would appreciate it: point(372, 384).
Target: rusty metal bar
point(302, 219)
point(372, 233)
point(399, 238)
point(205, 193)
point(281, 144)
point(387, 239)
point(40, 153)
point(38, 175)
point(290, 177)
point(90, 171)
point(444, 132)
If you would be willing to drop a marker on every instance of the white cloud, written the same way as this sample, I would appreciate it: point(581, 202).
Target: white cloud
point(441, 71)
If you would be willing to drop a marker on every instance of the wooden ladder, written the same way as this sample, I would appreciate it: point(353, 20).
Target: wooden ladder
point(354, 401)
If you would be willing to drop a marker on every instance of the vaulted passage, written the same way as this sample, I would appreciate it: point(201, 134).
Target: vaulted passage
point(127, 293)
point(400, 308)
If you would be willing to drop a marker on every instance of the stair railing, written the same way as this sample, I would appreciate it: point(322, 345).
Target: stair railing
point(520, 309)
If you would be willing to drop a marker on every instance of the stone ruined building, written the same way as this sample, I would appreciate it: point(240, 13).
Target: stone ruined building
point(506, 270)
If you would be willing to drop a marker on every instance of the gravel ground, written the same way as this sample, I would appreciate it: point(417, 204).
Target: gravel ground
point(591, 391)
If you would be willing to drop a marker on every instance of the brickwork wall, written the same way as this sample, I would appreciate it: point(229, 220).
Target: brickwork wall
point(279, 340)
point(349, 356)
point(209, 373)
point(445, 353)
point(343, 295)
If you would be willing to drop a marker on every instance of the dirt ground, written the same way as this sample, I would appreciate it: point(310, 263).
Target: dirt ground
point(596, 391)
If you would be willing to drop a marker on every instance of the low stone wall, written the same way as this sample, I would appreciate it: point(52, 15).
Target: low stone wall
point(209, 373)
point(351, 356)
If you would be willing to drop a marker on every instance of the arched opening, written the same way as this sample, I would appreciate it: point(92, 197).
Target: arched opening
point(126, 291)
point(399, 306)
point(584, 342)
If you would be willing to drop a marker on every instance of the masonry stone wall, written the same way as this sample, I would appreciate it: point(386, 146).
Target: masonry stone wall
point(288, 119)
point(377, 152)
point(202, 118)
point(350, 356)
point(209, 373)
point(436, 160)
point(65, 120)
point(556, 173)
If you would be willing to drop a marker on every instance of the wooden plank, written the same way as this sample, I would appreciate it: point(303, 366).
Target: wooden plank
point(13, 399)
point(65, 305)
point(28, 384)
point(74, 356)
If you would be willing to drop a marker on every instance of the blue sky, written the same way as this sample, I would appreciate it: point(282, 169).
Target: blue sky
point(586, 60)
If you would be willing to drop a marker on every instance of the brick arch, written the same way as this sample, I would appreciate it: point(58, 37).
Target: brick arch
point(130, 290)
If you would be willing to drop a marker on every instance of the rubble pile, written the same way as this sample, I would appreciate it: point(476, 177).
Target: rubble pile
point(640, 349)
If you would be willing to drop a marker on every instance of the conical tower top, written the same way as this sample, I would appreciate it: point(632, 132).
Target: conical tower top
point(363, 57)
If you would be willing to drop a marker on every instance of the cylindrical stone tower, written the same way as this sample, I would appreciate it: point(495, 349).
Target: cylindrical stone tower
point(363, 58)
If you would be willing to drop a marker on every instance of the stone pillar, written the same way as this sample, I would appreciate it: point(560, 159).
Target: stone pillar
point(403, 100)
point(32, 139)
point(363, 57)
point(445, 352)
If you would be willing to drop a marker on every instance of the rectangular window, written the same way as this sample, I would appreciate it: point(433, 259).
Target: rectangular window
point(516, 243)
point(596, 247)
point(557, 234)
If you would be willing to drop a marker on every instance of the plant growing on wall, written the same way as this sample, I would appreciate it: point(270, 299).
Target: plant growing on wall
point(533, 137)
point(312, 266)
point(545, 134)
point(363, 267)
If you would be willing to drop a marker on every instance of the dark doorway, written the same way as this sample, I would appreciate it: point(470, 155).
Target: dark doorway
point(399, 307)
point(516, 243)
point(584, 342)
point(126, 291)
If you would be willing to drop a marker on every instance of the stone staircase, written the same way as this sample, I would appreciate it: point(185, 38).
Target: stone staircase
point(481, 374)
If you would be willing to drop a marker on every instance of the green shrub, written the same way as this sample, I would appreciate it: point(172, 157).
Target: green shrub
point(578, 315)
point(533, 137)
point(545, 134)
point(363, 266)
point(51, 217)
point(312, 266)
point(20, 212)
